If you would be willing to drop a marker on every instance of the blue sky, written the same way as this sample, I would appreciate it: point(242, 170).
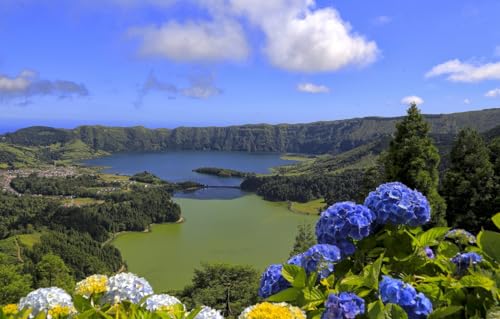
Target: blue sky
point(166, 63)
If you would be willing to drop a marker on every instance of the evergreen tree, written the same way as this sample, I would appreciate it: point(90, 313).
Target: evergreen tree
point(494, 147)
point(413, 160)
point(468, 184)
point(304, 240)
point(52, 271)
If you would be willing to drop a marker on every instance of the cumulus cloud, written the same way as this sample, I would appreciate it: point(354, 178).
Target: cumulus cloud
point(457, 71)
point(298, 36)
point(407, 100)
point(201, 86)
point(28, 84)
point(312, 88)
point(493, 93)
point(467, 101)
point(304, 39)
point(194, 41)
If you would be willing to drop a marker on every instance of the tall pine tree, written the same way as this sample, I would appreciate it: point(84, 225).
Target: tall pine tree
point(413, 160)
point(468, 185)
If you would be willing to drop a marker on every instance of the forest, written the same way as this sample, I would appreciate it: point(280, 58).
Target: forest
point(76, 237)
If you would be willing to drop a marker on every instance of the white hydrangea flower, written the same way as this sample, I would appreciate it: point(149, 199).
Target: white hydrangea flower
point(209, 313)
point(157, 302)
point(45, 299)
point(127, 286)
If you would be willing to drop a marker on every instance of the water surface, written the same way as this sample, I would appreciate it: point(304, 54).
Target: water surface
point(178, 166)
point(246, 230)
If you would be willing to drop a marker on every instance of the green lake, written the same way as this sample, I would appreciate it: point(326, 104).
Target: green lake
point(245, 230)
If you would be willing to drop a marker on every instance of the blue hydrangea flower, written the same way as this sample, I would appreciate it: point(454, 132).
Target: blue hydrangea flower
point(429, 253)
point(464, 260)
point(396, 291)
point(319, 258)
point(127, 286)
point(462, 236)
point(272, 281)
point(421, 309)
point(346, 305)
point(45, 299)
point(416, 305)
point(395, 203)
point(344, 222)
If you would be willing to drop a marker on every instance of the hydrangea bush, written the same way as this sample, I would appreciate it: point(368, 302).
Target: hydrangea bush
point(392, 266)
point(376, 261)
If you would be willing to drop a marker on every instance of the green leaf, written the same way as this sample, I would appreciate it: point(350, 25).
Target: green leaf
point(496, 220)
point(376, 310)
point(477, 280)
point(194, 313)
point(488, 241)
point(81, 303)
point(313, 278)
point(300, 279)
point(393, 311)
point(493, 313)
point(352, 281)
point(375, 273)
point(87, 314)
point(289, 294)
point(313, 295)
point(430, 237)
point(445, 312)
point(290, 272)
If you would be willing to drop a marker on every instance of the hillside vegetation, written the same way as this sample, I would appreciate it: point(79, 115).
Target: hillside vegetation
point(313, 138)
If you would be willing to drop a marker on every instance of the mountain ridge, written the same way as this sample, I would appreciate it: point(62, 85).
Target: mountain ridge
point(321, 137)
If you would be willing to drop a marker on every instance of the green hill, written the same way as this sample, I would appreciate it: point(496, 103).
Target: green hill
point(362, 137)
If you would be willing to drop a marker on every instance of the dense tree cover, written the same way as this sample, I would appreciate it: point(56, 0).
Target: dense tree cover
point(225, 287)
point(51, 271)
point(66, 186)
point(413, 160)
point(13, 282)
point(313, 138)
point(80, 253)
point(146, 177)
point(121, 211)
point(221, 172)
point(469, 184)
point(20, 214)
point(303, 188)
point(304, 240)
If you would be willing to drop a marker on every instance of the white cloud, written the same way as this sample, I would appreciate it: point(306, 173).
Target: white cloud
point(312, 88)
point(201, 86)
point(27, 84)
point(467, 101)
point(407, 100)
point(194, 41)
point(457, 71)
point(382, 20)
point(493, 93)
point(298, 37)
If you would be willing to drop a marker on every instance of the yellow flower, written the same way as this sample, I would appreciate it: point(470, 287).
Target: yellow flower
point(60, 312)
point(268, 310)
point(94, 284)
point(10, 309)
